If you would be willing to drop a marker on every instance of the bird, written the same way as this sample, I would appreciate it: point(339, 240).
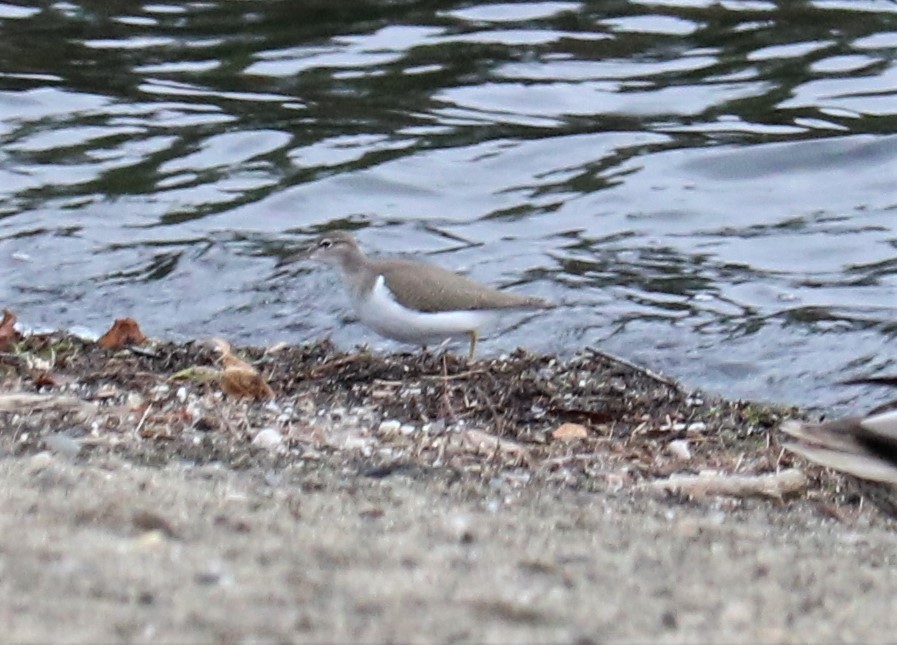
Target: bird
point(414, 302)
point(864, 447)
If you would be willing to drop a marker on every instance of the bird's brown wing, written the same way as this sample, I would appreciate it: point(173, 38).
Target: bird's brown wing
point(835, 435)
point(862, 447)
point(879, 432)
point(867, 467)
point(429, 288)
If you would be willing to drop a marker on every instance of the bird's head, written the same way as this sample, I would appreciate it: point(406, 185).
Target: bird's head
point(338, 248)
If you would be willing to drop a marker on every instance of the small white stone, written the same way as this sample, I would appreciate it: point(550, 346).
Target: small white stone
point(433, 427)
point(679, 449)
point(181, 394)
point(389, 427)
point(407, 429)
point(697, 426)
point(41, 461)
point(62, 444)
point(268, 438)
point(161, 390)
point(461, 527)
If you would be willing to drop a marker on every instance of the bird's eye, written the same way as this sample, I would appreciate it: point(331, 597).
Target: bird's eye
point(325, 244)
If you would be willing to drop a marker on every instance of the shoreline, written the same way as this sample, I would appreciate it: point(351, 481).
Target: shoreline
point(412, 497)
point(579, 422)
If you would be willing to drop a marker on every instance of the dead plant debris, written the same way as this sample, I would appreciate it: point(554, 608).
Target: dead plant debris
point(592, 423)
point(8, 333)
point(124, 332)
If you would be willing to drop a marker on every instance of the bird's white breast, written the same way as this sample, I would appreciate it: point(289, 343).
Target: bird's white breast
point(381, 312)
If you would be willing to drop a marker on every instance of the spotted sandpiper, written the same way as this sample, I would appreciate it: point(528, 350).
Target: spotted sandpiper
point(864, 447)
point(413, 302)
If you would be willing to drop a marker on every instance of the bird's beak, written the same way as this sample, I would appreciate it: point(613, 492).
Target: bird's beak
point(298, 256)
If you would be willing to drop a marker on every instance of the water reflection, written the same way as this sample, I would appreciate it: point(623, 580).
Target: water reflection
point(709, 187)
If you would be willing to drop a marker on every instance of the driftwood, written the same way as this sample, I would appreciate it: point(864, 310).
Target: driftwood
point(25, 403)
point(774, 485)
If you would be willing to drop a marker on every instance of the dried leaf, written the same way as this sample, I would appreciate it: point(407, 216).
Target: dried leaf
point(44, 379)
point(8, 333)
point(570, 432)
point(227, 358)
point(239, 378)
point(124, 332)
point(245, 381)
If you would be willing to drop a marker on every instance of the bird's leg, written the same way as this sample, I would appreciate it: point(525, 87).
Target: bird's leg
point(474, 336)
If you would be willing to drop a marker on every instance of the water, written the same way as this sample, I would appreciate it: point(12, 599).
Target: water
point(709, 187)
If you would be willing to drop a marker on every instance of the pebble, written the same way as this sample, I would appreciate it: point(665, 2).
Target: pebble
point(268, 438)
point(460, 527)
point(161, 390)
point(62, 444)
point(40, 461)
point(390, 427)
point(407, 429)
point(679, 449)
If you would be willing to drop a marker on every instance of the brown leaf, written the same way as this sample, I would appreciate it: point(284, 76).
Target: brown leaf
point(125, 331)
point(8, 334)
point(570, 432)
point(227, 357)
point(44, 378)
point(243, 380)
point(239, 378)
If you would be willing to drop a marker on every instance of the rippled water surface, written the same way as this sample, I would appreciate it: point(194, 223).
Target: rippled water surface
point(709, 187)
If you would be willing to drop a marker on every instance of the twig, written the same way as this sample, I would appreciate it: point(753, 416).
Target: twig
point(25, 402)
point(768, 485)
point(496, 416)
point(638, 368)
point(336, 363)
point(143, 419)
point(428, 377)
point(446, 399)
